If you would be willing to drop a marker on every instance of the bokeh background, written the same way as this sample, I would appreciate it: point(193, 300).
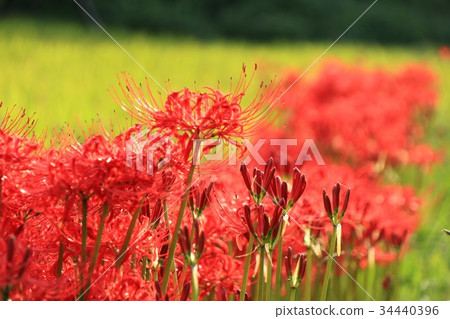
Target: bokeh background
point(56, 62)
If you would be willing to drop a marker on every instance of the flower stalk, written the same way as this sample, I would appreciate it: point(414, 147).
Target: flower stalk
point(98, 241)
point(279, 265)
point(173, 243)
point(123, 249)
point(192, 246)
point(59, 264)
point(194, 280)
point(308, 284)
point(269, 276)
point(248, 259)
point(84, 209)
point(335, 214)
point(326, 280)
point(261, 280)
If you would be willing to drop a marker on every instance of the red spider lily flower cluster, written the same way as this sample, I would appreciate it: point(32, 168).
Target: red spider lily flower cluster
point(444, 53)
point(15, 262)
point(77, 221)
point(365, 116)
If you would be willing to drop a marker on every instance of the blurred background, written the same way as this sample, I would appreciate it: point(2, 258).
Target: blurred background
point(393, 21)
point(56, 62)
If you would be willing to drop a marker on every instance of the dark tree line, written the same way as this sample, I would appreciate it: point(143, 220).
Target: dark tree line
point(389, 21)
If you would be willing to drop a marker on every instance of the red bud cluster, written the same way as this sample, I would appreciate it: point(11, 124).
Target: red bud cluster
point(192, 243)
point(295, 268)
point(199, 199)
point(258, 186)
point(262, 227)
point(335, 214)
point(279, 188)
point(155, 213)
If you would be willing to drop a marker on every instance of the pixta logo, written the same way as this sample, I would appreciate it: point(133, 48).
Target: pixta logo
point(142, 148)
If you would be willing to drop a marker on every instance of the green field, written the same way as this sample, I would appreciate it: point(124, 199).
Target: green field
point(62, 72)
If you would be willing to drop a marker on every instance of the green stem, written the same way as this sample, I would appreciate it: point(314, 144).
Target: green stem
point(166, 217)
point(98, 241)
point(371, 271)
point(84, 203)
point(248, 259)
point(84, 209)
point(371, 280)
point(323, 295)
point(173, 242)
point(144, 268)
point(261, 273)
point(185, 266)
point(269, 276)
point(60, 258)
point(354, 287)
point(121, 255)
point(292, 294)
point(279, 267)
point(6, 291)
point(396, 278)
point(230, 248)
point(194, 278)
point(308, 284)
point(166, 214)
point(338, 288)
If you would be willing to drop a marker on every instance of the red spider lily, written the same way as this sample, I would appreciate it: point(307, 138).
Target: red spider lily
point(264, 228)
point(154, 214)
point(219, 266)
point(192, 246)
point(444, 53)
point(18, 123)
point(279, 189)
point(259, 185)
point(335, 213)
point(119, 285)
point(398, 240)
point(15, 264)
point(218, 269)
point(295, 268)
point(168, 180)
point(199, 114)
point(198, 200)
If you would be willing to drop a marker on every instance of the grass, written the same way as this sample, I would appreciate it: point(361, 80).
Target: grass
point(62, 72)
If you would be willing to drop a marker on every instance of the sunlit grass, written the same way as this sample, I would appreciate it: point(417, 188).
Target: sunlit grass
point(62, 72)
